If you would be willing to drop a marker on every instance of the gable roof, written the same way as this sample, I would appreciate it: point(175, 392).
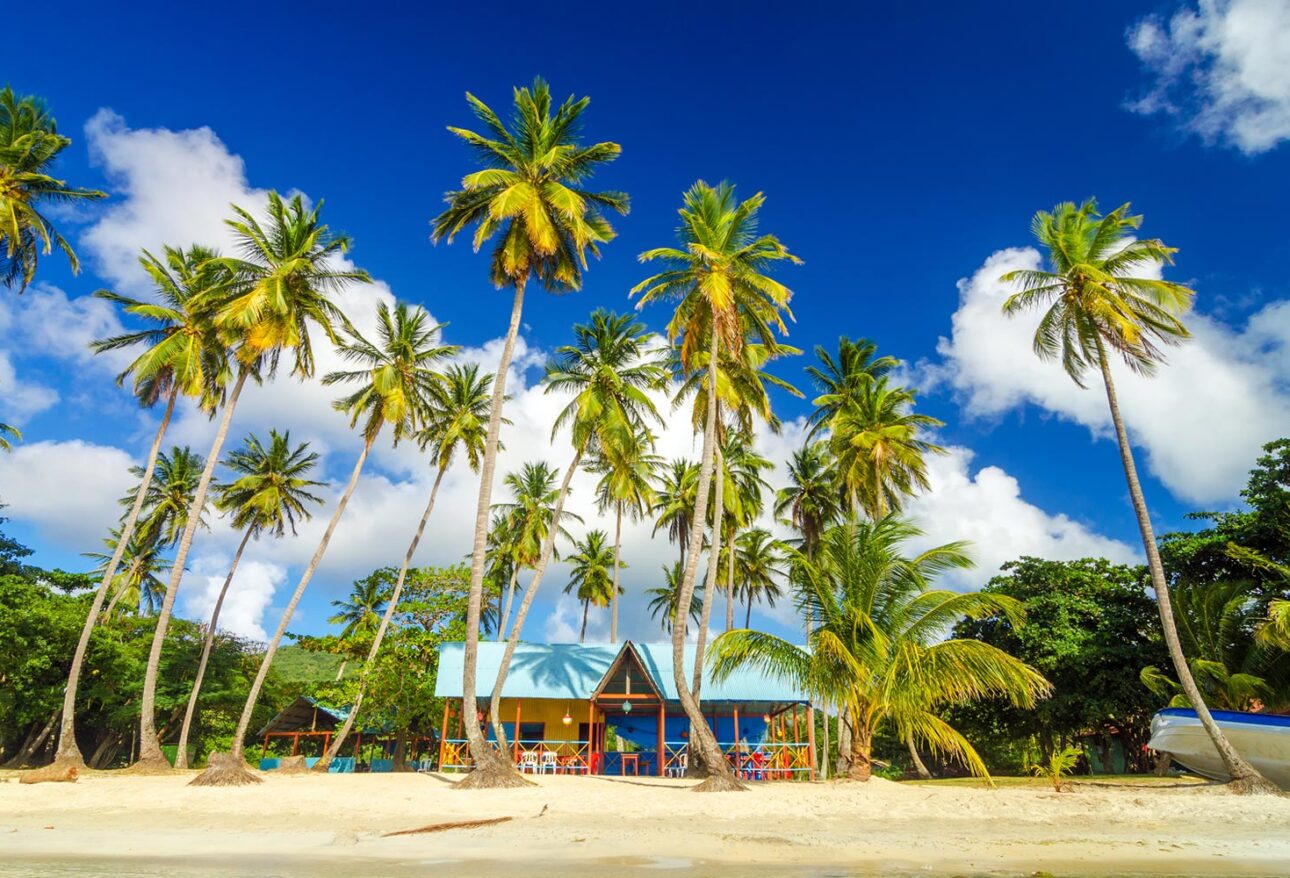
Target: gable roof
point(302, 714)
point(574, 671)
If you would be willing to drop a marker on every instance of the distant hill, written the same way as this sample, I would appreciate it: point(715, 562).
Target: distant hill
point(298, 665)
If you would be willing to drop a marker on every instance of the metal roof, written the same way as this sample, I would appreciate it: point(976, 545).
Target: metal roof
point(574, 670)
point(303, 713)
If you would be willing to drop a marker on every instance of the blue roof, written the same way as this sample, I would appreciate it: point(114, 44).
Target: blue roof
point(574, 670)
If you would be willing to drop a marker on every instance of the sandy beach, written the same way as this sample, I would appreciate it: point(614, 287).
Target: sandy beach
point(572, 825)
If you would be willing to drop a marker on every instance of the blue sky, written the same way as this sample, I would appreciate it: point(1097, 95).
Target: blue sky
point(902, 150)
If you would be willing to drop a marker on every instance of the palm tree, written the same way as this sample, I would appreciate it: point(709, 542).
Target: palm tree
point(280, 288)
point(626, 477)
point(360, 614)
point(529, 191)
point(452, 420)
point(610, 369)
point(181, 356)
point(664, 598)
point(810, 501)
point(137, 584)
point(877, 645)
point(269, 495)
point(724, 297)
point(592, 576)
point(841, 381)
point(396, 379)
point(676, 493)
point(881, 457)
point(29, 145)
point(744, 468)
point(759, 561)
point(9, 435)
point(1096, 306)
point(168, 498)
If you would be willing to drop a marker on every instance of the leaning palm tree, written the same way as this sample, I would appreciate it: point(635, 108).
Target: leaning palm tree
point(877, 645)
point(591, 578)
point(1096, 308)
point(529, 194)
point(724, 297)
point(181, 356)
point(29, 145)
point(453, 420)
point(168, 497)
point(611, 369)
point(759, 566)
point(137, 583)
point(397, 377)
point(678, 488)
point(8, 436)
point(360, 613)
point(281, 287)
point(663, 599)
point(269, 495)
point(626, 486)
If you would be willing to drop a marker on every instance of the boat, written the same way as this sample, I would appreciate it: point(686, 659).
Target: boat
point(1263, 739)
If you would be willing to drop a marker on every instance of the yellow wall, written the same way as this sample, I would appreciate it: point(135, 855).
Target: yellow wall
point(547, 711)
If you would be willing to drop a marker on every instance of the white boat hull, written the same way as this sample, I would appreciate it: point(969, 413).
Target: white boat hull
point(1262, 739)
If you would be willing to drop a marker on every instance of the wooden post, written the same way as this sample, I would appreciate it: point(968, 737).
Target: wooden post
point(736, 710)
point(443, 735)
point(295, 743)
point(358, 748)
point(795, 737)
point(515, 738)
point(591, 733)
point(326, 742)
point(810, 739)
point(265, 752)
point(662, 743)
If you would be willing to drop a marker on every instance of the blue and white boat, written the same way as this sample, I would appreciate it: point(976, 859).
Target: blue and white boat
point(1263, 739)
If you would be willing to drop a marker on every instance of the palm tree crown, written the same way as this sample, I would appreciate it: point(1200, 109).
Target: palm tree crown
point(29, 145)
point(360, 613)
point(271, 491)
point(592, 578)
point(168, 498)
point(457, 416)
point(663, 599)
point(810, 502)
point(841, 381)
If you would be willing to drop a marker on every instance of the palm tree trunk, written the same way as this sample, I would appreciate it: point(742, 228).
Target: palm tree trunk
point(149, 744)
point(68, 753)
point(843, 768)
point(504, 616)
point(544, 558)
point(481, 754)
point(748, 612)
point(244, 723)
point(340, 672)
point(582, 634)
point(824, 754)
point(1244, 777)
point(181, 755)
point(730, 584)
point(917, 760)
point(33, 743)
point(861, 767)
point(710, 581)
point(703, 743)
point(613, 600)
point(325, 762)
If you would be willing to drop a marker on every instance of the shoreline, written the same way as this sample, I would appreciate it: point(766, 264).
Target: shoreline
point(310, 824)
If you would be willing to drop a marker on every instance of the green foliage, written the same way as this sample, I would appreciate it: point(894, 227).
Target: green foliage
point(1058, 766)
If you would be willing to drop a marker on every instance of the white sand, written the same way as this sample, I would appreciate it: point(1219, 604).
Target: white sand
point(609, 824)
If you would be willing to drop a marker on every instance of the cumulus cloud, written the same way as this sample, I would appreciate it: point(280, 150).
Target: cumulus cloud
point(249, 594)
point(1220, 68)
point(1201, 420)
point(20, 399)
point(68, 490)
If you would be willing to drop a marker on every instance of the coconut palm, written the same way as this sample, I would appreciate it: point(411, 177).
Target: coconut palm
point(137, 584)
point(397, 376)
point(610, 370)
point(877, 646)
point(746, 487)
point(664, 598)
point(842, 380)
point(528, 195)
point(269, 494)
point(168, 498)
point(360, 613)
point(626, 486)
point(452, 420)
point(678, 488)
point(181, 355)
point(724, 297)
point(8, 436)
point(1097, 307)
point(29, 145)
point(878, 445)
point(810, 501)
point(591, 578)
point(759, 565)
point(279, 288)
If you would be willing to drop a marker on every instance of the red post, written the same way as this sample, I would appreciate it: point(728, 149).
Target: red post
point(810, 740)
point(265, 752)
point(443, 734)
point(515, 738)
point(295, 743)
point(662, 743)
point(736, 710)
point(326, 742)
point(591, 733)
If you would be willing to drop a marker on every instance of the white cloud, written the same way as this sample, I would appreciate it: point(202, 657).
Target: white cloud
point(1201, 420)
point(68, 490)
point(249, 594)
point(1221, 69)
point(20, 399)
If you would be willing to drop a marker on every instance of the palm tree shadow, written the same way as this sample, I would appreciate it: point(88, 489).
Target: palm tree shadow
point(573, 669)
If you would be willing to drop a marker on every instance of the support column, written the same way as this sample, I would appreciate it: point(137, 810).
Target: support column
point(662, 742)
point(265, 751)
point(810, 739)
point(515, 738)
point(591, 733)
point(326, 742)
point(443, 734)
point(295, 743)
point(736, 710)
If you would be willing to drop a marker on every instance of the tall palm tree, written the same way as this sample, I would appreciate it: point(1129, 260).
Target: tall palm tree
point(626, 486)
point(664, 598)
point(181, 356)
point(877, 443)
point(9, 435)
point(29, 145)
point(452, 420)
point(397, 376)
point(1096, 307)
point(269, 495)
point(529, 191)
point(168, 498)
point(137, 584)
point(842, 380)
point(678, 488)
point(724, 297)
point(592, 576)
point(877, 645)
point(360, 613)
point(610, 369)
point(760, 564)
point(744, 468)
point(280, 288)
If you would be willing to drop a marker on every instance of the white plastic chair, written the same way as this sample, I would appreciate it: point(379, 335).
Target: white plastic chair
point(549, 761)
point(529, 762)
point(679, 765)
